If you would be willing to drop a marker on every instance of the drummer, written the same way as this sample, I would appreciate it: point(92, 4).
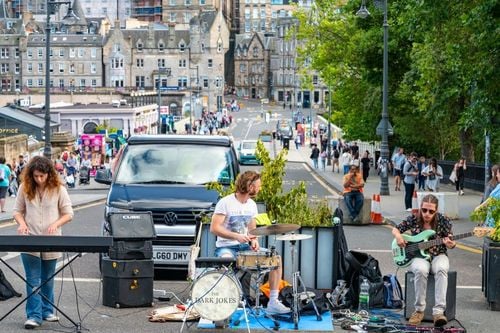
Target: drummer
point(233, 218)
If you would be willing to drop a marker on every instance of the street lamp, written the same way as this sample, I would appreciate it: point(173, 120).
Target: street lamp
point(329, 144)
point(166, 72)
point(384, 128)
point(50, 7)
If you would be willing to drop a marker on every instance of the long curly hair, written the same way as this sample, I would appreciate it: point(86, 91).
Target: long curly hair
point(43, 165)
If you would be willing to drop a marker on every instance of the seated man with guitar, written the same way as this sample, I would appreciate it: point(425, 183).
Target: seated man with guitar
point(430, 223)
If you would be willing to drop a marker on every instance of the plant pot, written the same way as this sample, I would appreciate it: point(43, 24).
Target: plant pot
point(316, 258)
point(491, 273)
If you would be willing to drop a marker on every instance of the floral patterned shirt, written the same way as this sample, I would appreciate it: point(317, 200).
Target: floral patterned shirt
point(443, 229)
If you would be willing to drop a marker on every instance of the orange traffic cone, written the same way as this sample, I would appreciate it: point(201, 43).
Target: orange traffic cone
point(376, 211)
point(414, 204)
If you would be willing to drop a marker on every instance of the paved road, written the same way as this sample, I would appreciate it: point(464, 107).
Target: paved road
point(471, 305)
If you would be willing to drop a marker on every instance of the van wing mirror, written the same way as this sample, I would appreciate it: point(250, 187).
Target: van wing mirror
point(103, 176)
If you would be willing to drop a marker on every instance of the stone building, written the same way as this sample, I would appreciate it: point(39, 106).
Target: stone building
point(189, 63)
point(11, 31)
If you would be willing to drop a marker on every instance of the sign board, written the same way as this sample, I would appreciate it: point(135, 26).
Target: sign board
point(164, 109)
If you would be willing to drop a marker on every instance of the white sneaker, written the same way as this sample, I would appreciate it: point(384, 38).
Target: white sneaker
point(408, 209)
point(31, 324)
point(51, 317)
point(276, 307)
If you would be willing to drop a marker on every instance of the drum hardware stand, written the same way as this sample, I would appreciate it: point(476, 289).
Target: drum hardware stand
point(295, 284)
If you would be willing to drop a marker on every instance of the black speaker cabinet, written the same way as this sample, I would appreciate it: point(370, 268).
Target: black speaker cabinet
point(451, 294)
point(127, 283)
point(127, 249)
point(491, 273)
point(137, 225)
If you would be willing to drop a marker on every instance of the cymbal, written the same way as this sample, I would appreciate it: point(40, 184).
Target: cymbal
point(293, 237)
point(274, 229)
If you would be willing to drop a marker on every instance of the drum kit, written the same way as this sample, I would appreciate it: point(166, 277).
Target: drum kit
point(217, 293)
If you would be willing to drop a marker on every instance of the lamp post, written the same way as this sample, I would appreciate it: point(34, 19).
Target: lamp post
point(166, 72)
point(384, 128)
point(50, 7)
point(329, 136)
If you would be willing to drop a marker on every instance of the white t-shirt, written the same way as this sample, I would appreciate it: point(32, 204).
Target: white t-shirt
point(237, 217)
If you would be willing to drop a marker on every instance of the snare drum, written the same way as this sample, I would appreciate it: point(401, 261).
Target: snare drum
point(261, 260)
point(216, 295)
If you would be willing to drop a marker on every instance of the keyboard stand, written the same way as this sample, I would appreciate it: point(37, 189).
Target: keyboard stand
point(78, 326)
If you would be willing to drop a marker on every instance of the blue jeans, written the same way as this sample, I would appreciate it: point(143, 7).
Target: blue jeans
point(354, 203)
point(315, 162)
point(233, 250)
point(37, 271)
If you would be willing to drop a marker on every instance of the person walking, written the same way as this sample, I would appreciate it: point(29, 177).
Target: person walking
point(346, 160)
point(42, 207)
point(398, 162)
point(4, 182)
point(459, 169)
point(315, 155)
point(335, 160)
point(365, 165)
point(297, 141)
point(323, 156)
point(410, 172)
point(428, 218)
point(434, 173)
point(421, 178)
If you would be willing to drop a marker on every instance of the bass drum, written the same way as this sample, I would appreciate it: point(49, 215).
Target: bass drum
point(216, 295)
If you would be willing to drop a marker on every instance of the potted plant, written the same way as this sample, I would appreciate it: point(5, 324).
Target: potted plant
point(490, 211)
point(315, 257)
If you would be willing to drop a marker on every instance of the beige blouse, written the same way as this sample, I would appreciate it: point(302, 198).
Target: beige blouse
point(39, 214)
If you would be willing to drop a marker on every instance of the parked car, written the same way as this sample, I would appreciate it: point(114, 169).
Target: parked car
point(167, 176)
point(247, 152)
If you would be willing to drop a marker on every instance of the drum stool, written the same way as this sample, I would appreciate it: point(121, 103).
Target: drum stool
point(429, 299)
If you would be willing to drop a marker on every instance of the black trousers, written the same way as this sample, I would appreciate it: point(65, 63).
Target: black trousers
point(409, 188)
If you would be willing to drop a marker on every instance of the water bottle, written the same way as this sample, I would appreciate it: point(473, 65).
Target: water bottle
point(364, 296)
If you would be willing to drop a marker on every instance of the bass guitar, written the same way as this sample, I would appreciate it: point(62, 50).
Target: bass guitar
point(417, 245)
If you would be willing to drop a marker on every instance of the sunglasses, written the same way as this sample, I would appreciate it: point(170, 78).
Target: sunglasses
point(425, 211)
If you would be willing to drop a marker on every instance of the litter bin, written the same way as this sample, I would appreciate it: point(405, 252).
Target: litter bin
point(286, 142)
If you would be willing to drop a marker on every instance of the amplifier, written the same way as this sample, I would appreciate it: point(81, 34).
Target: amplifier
point(127, 283)
point(128, 249)
point(451, 294)
point(134, 225)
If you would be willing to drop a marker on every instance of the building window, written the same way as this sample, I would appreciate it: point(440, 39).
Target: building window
point(182, 47)
point(17, 52)
point(139, 46)
point(93, 52)
point(161, 47)
point(93, 83)
point(29, 67)
point(72, 52)
point(93, 67)
point(139, 81)
point(140, 63)
point(29, 54)
point(61, 68)
point(72, 69)
point(4, 53)
point(210, 63)
point(172, 17)
point(61, 52)
point(205, 83)
point(161, 63)
point(82, 83)
point(182, 63)
point(17, 69)
point(40, 53)
point(40, 67)
point(81, 53)
point(40, 82)
point(61, 83)
point(117, 48)
point(315, 79)
point(182, 82)
point(29, 83)
point(4, 68)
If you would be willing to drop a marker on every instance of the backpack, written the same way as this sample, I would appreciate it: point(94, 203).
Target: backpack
point(305, 305)
point(6, 289)
point(363, 265)
point(393, 294)
point(336, 153)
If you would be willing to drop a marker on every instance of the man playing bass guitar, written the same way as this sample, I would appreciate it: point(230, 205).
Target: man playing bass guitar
point(429, 219)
